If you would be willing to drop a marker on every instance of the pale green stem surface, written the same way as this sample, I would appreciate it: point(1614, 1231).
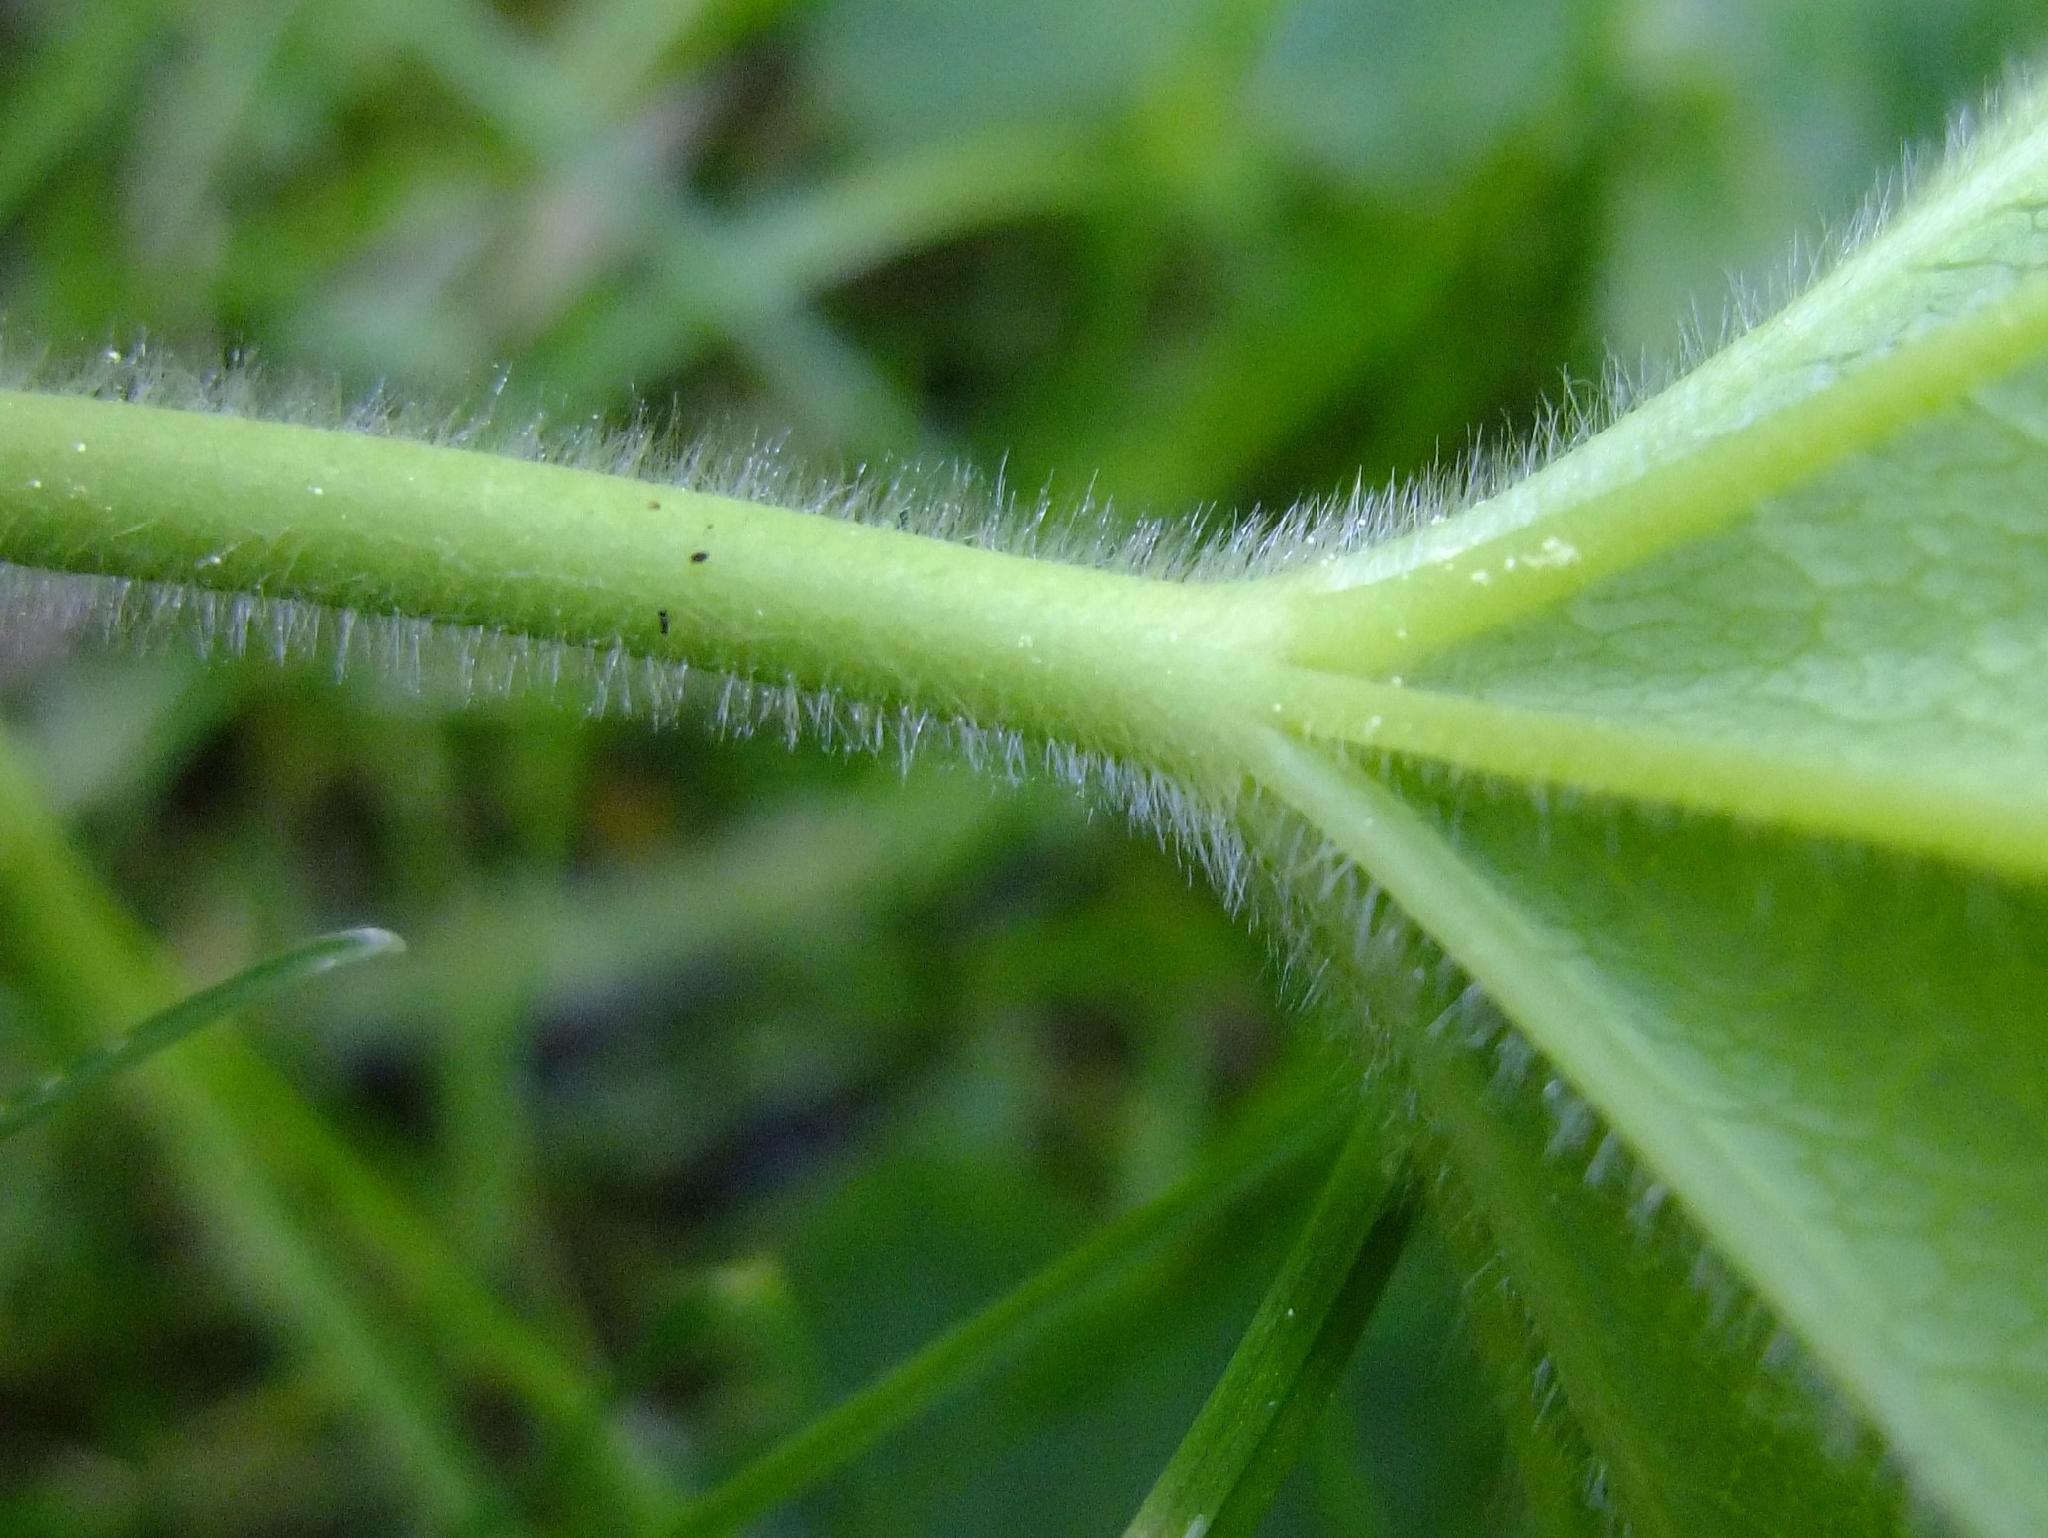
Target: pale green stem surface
point(385, 526)
point(1177, 675)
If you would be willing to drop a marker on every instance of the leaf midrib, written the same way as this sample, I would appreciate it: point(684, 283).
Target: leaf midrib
point(1809, 1279)
point(1551, 536)
point(1985, 821)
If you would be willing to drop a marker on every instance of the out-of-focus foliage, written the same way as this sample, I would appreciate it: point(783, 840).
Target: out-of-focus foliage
point(738, 1075)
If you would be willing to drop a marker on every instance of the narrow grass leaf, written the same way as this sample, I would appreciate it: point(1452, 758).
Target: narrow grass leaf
point(161, 1031)
point(1282, 1137)
point(1259, 1420)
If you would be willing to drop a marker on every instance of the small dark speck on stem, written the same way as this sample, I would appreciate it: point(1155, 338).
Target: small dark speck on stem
point(699, 557)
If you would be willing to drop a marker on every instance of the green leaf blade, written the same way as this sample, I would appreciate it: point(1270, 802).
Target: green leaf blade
point(165, 1030)
point(1802, 594)
point(1880, 626)
point(1836, 1061)
point(1948, 297)
point(1646, 1384)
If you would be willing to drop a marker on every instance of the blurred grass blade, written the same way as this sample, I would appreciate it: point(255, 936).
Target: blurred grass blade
point(240, 1140)
point(1287, 1134)
point(160, 1031)
point(1259, 1420)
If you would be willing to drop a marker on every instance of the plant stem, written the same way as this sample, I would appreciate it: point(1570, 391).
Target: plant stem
point(378, 526)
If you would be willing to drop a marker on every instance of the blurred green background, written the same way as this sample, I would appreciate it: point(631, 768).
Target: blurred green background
point(736, 1074)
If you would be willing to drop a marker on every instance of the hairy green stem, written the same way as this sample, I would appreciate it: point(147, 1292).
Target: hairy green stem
point(1183, 676)
point(378, 526)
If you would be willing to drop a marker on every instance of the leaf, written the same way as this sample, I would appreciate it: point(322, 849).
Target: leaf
point(1834, 1061)
point(1805, 587)
point(1653, 1350)
point(161, 1031)
point(1641, 1376)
